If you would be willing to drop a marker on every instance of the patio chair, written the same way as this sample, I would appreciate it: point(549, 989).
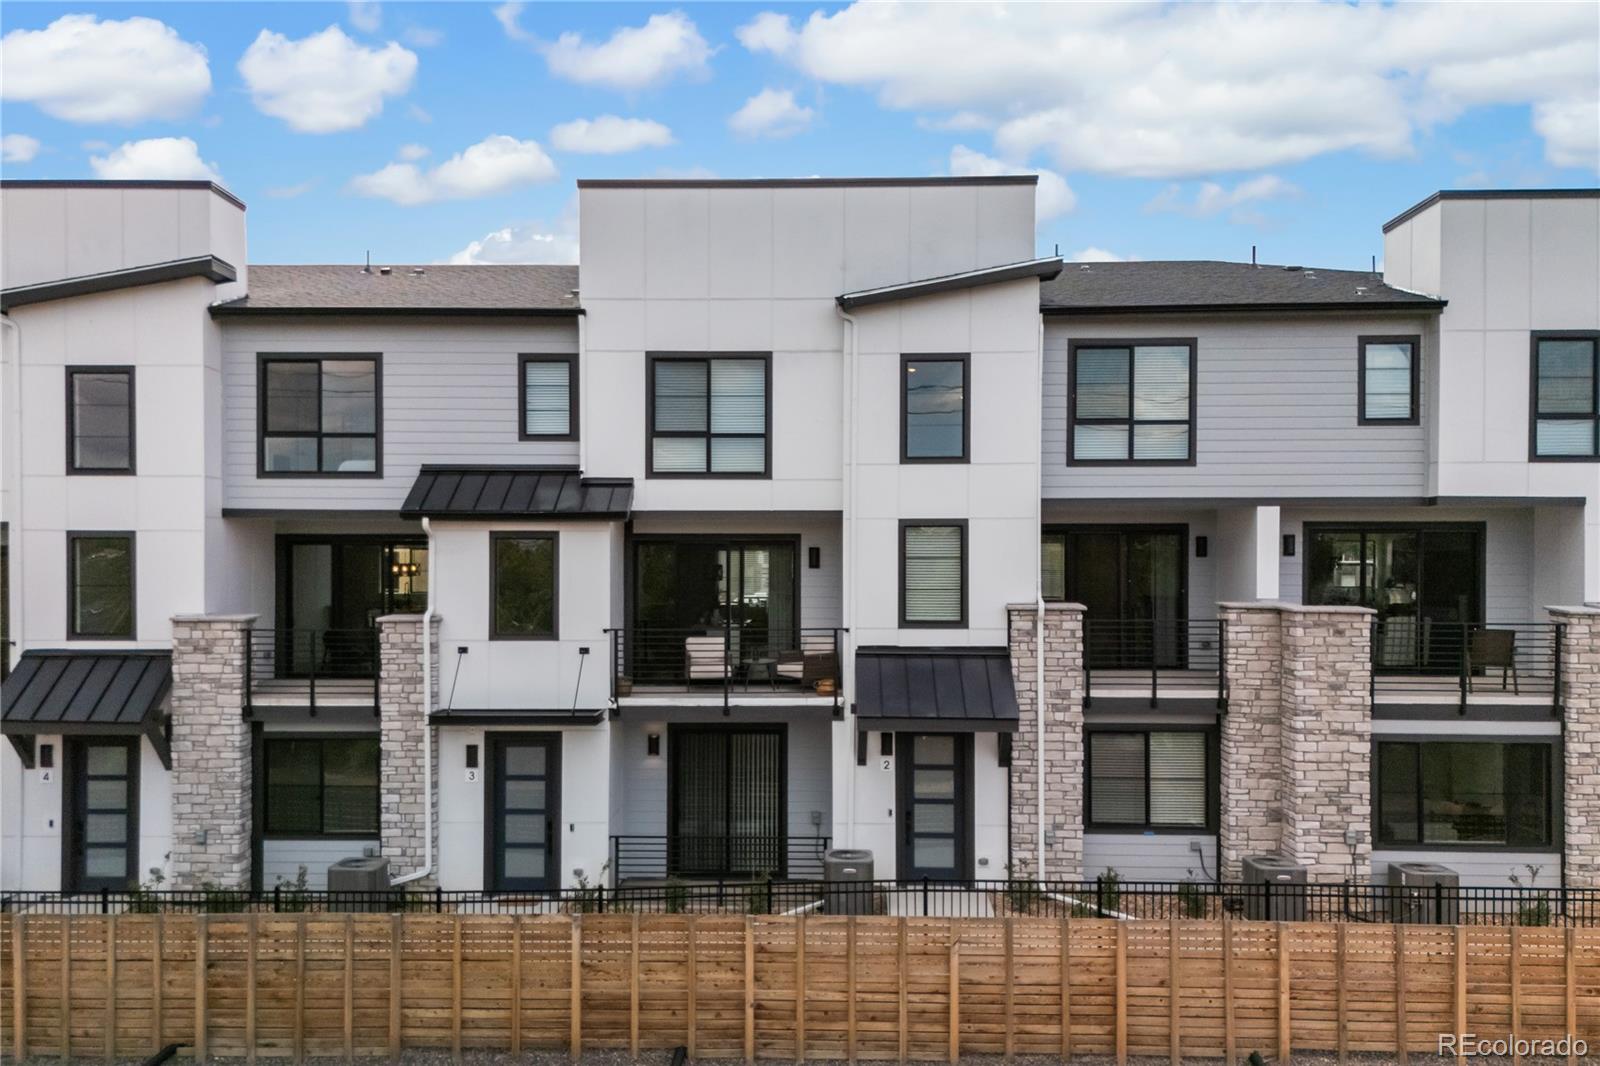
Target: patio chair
point(705, 658)
point(816, 660)
point(1491, 648)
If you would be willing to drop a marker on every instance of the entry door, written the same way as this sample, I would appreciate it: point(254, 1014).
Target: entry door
point(726, 806)
point(934, 773)
point(103, 815)
point(524, 808)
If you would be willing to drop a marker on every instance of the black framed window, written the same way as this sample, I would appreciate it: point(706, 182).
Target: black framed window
point(1390, 372)
point(933, 574)
point(319, 416)
point(548, 391)
point(709, 416)
point(100, 586)
point(100, 402)
point(1131, 402)
point(1151, 779)
point(320, 786)
point(523, 581)
point(1465, 793)
point(935, 424)
point(1565, 397)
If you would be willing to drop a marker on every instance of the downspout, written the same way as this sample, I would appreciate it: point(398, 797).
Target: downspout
point(427, 725)
point(1038, 598)
point(13, 418)
point(848, 398)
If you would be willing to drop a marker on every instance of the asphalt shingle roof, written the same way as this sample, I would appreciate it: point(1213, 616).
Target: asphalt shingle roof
point(330, 289)
point(1213, 285)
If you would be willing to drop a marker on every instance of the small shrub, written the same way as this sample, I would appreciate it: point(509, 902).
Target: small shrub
point(217, 899)
point(758, 897)
point(1108, 890)
point(291, 896)
point(1024, 895)
point(676, 896)
point(1191, 900)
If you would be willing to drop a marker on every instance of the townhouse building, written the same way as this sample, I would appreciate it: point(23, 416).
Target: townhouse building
point(800, 514)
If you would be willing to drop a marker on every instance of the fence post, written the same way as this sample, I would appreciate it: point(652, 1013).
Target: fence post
point(200, 923)
point(300, 989)
point(455, 991)
point(925, 889)
point(1227, 989)
point(901, 980)
point(576, 1010)
point(277, 898)
point(1461, 990)
point(1516, 984)
point(250, 988)
point(438, 900)
point(66, 988)
point(349, 987)
point(19, 988)
point(1066, 988)
point(1122, 993)
point(955, 995)
point(396, 947)
point(692, 1021)
point(516, 983)
point(633, 986)
point(1285, 1018)
point(111, 989)
point(800, 988)
point(1174, 1033)
point(749, 989)
point(1009, 976)
point(1400, 993)
point(850, 986)
point(157, 970)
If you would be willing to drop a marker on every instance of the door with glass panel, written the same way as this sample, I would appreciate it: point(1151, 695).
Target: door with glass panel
point(524, 813)
point(934, 772)
point(725, 804)
point(102, 837)
point(1132, 582)
point(331, 592)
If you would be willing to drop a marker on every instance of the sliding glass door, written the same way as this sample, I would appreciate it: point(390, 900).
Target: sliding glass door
point(332, 589)
point(1132, 582)
point(726, 801)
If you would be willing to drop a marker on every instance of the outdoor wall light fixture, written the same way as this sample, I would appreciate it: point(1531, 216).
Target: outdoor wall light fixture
point(1201, 547)
point(1288, 544)
point(652, 744)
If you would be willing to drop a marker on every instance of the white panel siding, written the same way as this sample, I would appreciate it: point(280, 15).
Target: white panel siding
point(1276, 412)
point(449, 396)
point(281, 860)
point(1150, 856)
point(1479, 869)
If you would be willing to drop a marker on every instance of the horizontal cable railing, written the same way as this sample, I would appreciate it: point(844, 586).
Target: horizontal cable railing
point(1155, 659)
point(725, 660)
point(1417, 660)
point(723, 855)
point(311, 667)
point(1104, 897)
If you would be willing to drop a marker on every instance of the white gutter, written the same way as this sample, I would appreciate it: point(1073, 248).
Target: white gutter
point(1038, 639)
point(848, 563)
point(427, 726)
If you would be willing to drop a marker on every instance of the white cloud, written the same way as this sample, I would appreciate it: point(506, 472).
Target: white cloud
point(81, 69)
point(609, 134)
point(326, 82)
point(413, 152)
point(507, 15)
point(493, 165)
point(366, 15)
point(1210, 198)
point(527, 242)
point(18, 148)
point(423, 36)
point(289, 192)
point(633, 58)
point(1053, 197)
point(158, 158)
point(1093, 254)
point(770, 113)
point(1180, 90)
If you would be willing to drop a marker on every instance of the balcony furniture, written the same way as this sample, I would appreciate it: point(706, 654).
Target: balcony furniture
point(760, 669)
point(817, 659)
point(1491, 648)
point(705, 658)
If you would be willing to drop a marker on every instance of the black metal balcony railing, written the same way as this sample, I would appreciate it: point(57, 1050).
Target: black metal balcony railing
point(727, 661)
point(1156, 659)
point(311, 668)
point(1422, 660)
point(724, 855)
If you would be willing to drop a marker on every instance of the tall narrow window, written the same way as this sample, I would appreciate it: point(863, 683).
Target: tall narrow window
point(933, 574)
point(1132, 402)
point(1150, 780)
point(1566, 396)
point(708, 416)
point(99, 419)
point(523, 579)
point(1390, 373)
point(549, 391)
point(319, 416)
point(100, 586)
point(933, 408)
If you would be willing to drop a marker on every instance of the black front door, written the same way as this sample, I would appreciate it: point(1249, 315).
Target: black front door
point(524, 813)
point(934, 779)
point(725, 810)
point(102, 819)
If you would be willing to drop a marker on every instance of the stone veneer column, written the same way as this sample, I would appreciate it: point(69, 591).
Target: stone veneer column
point(1063, 741)
point(1252, 765)
point(407, 815)
point(1327, 740)
point(1580, 695)
point(211, 764)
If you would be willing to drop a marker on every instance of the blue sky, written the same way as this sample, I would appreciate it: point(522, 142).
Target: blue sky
point(1162, 132)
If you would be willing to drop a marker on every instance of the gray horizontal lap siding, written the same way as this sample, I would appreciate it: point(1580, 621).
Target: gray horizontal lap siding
point(449, 396)
point(1275, 410)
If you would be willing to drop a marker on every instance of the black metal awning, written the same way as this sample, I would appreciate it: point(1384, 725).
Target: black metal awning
point(941, 689)
point(518, 716)
point(87, 693)
point(484, 492)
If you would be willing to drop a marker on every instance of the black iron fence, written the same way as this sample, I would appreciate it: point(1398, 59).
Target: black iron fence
point(311, 667)
point(726, 661)
point(1105, 897)
point(1417, 660)
point(1156, 659)
point(728, 855)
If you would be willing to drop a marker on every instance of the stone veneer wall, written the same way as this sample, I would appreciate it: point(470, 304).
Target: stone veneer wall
point(1580, 687)
point(1063, 741)
point(211, 764)
point(407, 813)
point(1252, 773)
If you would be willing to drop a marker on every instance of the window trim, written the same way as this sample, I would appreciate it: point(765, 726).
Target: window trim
point(654, 358)
point(1213, 780)
point(260, 802)
point(1534, 337)
point(523, 359)
point(73, 469)
point(262, 359)
point(966, 557)
point(965, 359)
point(75, 535)
point(1556, 815)
point(1415, 417)
point(495, 537)
point(1131, 343)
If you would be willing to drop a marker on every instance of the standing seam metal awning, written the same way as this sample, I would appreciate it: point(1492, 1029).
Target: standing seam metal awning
point(509, 492)
point(938, 689)
point(86, 693)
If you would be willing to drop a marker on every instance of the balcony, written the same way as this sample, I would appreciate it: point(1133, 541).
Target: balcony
point(1173, 663)
point(725, 855)
point(727, 666)
point(311, 669)
point(1419, 661)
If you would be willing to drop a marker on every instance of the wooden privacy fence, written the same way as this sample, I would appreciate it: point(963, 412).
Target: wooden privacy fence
point(777, 987)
